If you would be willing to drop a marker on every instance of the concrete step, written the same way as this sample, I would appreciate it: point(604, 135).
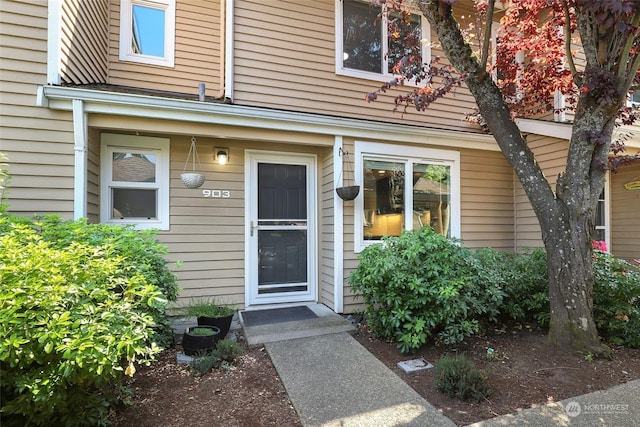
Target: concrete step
point(327, 322)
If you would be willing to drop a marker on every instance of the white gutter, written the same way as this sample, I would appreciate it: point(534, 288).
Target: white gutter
point(54, 42)
point(228, 49)
point(145, 106)
point(338, 232)
point(80, 146)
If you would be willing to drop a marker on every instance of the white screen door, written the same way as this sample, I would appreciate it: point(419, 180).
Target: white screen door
point(281, 228)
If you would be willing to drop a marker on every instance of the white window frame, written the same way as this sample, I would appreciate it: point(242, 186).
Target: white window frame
point(131, 143)
point(606, 227)
point(126, 34)
point(408, 155)
point(386, 75)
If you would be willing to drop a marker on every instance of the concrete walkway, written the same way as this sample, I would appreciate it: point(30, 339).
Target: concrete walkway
point(334, 381)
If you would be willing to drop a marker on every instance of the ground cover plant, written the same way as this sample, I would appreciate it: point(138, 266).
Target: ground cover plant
point(80, 306)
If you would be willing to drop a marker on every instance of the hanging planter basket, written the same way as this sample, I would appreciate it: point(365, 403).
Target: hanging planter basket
point(192, 179)
point(346, 192)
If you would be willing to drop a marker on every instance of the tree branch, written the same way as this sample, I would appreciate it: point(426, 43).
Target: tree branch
point(624, 58)
point(487, 35)
point(567, 43)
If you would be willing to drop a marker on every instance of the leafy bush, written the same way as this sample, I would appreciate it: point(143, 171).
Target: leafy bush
point(616, 299)
point(208, 307)
point(143, 253)
point(420, 284)
point(458, 378)
point(524, 280)
point(78, 304)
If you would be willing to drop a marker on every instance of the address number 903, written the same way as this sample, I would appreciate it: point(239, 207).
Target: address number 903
point(216, 193)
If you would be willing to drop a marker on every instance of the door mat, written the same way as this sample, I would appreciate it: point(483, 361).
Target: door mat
point(277, 315)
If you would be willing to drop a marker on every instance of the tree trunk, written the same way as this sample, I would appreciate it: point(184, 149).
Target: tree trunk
point(569, 262)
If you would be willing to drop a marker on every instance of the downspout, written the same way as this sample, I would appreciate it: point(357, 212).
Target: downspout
point(226, 50)
point(338, 233)
point(80, 147)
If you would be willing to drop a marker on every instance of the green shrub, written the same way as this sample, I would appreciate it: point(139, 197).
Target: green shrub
point(208, 307)
point(523, 278)
point(420, 284)
point(458, 378)
point(77, 309)
point(227, 350)
point(616, 300)
point(143, 253)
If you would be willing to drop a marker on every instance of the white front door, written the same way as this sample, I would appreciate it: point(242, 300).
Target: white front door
point(281, 228)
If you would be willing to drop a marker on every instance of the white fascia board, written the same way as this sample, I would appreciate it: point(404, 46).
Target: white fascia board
point(133, 105)
point(545, 128)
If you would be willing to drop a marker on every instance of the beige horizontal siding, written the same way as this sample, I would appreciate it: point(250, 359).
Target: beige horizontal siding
point(37, 141)
point(284, 58)
point(84, 41)
point(625, 214)
point(197, 52)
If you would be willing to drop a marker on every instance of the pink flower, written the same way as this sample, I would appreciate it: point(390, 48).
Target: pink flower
point(599, 245)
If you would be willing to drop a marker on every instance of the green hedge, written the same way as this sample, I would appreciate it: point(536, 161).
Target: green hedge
point(421, 285)
point(80, 306)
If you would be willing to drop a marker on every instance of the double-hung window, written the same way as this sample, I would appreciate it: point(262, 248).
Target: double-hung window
point(135, 181)
point(405, 188)
point(602, 217)
point(364, 48)
point(147, 31)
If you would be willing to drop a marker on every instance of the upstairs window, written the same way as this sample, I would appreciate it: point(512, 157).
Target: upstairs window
point(147, 31)
point(363, 46)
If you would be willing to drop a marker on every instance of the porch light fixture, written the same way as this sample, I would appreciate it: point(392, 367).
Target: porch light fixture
point(222, 155)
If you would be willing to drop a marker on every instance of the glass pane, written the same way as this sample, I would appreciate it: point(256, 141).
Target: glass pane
point(383, 212)
point(431, 197)
point(148, 31)
point(282, 191)
point(362, 39)
point(282, 258)
point(133, 167)
point(599, 220)
point(398, 48)
point(134, 203)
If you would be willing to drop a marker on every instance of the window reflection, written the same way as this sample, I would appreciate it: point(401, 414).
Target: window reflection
point(362, 40)
point(383, 199)
point(148, 27)
point(432, 198)
point(134, 167)
point(134, 203)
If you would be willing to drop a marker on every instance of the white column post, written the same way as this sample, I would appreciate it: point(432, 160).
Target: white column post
point(80, 146)
point(338, 232)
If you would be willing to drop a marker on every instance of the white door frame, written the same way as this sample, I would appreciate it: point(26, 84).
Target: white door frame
point(252, 158)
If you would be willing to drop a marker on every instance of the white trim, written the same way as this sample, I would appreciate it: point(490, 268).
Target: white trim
point(385, 75)
point(252, 157)
point(407, 155)
point(229, 53)
point(545, 128)
point(126, 20)
point(145, 106)
point(160, 147)
point(54, 42)
point(338, 233)
point(80, 147)
point(607, 210)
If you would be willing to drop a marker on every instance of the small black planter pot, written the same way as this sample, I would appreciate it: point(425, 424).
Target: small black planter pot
point(348, 193)
point(223, 323)
point(194, 344)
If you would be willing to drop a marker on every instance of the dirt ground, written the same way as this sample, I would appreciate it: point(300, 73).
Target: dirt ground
point(524, 373)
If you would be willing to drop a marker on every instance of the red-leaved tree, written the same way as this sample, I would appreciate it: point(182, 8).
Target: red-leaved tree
point(534, 62)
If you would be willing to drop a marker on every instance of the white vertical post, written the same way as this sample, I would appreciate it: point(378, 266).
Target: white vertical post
point(338, 232)
point(54, 49)
point(80, 146)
